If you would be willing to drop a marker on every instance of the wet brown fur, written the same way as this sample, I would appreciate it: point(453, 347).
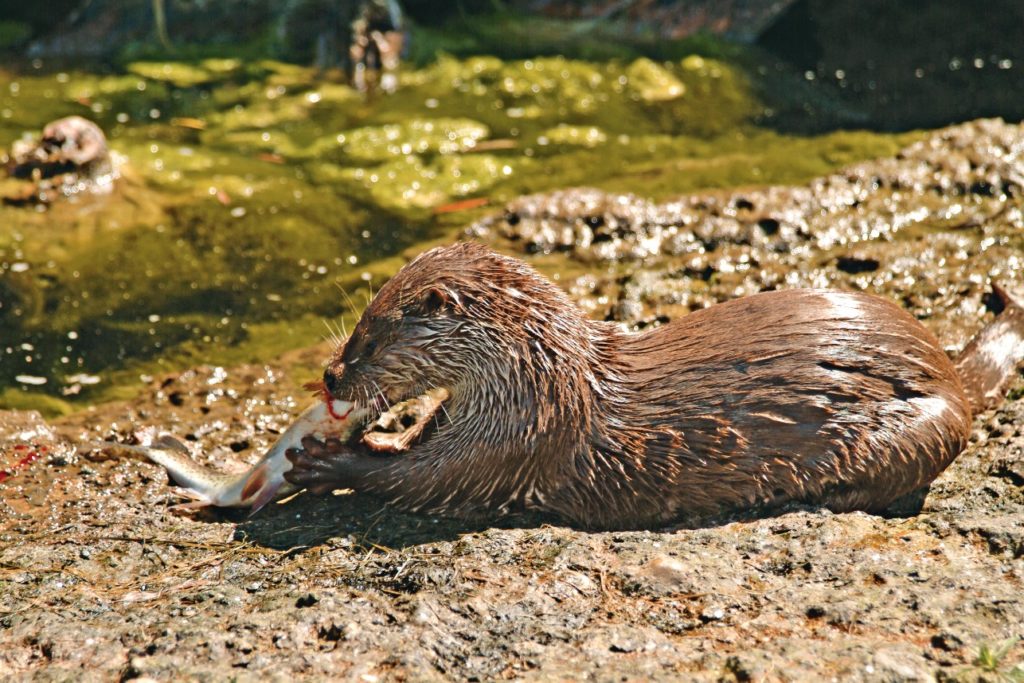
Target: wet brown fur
point(831, 398)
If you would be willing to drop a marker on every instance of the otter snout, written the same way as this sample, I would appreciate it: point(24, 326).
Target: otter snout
point(332, 378)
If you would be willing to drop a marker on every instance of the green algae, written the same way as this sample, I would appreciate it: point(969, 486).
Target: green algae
point(652, 82)
point(418, 136)
point(13, 398)
point(673, 166)
point(177, 74)
point(410, 184)
point(573, 136)
point(90, 87)
point(253, 194)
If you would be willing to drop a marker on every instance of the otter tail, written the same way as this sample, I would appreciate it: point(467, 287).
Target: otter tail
point(989, 362)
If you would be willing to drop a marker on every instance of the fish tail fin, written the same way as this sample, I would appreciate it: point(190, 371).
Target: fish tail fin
point(260, 489)
point(990, 361)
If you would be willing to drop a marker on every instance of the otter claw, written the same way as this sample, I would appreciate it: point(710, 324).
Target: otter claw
point(312, 446)
point(314, 465)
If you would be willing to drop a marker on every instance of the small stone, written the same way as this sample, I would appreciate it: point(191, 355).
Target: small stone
point(947, 641)
point(668, 573)
point(624, 645)
point(896, 665)
point(307, 600)
point(712, 614)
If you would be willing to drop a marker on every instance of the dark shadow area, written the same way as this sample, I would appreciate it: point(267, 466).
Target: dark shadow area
point(310, 521)
point(365, 522)
point(912, 64)
point(790, 36)
point(908, 505)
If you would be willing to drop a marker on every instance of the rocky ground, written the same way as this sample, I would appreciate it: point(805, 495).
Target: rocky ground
point(930, 227)
point(100, 580)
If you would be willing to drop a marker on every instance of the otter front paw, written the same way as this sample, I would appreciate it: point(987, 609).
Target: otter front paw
point(317, 466)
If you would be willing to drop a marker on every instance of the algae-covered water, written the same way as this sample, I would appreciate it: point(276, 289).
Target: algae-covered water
point(259, 203)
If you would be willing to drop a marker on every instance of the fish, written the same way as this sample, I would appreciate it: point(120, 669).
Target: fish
point(264, 482)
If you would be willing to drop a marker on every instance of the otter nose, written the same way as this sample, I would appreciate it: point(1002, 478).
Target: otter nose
point(332, 380)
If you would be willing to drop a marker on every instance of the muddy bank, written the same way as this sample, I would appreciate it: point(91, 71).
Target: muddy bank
point(99, 579)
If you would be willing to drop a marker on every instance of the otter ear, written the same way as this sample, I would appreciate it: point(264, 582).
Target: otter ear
point(440, 298)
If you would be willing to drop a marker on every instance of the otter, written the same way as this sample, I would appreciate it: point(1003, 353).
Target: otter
point(828, 398)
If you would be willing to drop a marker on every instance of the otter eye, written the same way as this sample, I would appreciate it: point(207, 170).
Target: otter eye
point(370, 347)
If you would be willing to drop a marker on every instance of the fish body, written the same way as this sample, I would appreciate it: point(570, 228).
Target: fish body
point(261, 484)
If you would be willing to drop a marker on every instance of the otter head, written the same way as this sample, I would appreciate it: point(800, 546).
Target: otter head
point(462, 318)
point(513, 354)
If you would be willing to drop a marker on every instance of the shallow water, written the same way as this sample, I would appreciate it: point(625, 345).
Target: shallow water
point(258, 201)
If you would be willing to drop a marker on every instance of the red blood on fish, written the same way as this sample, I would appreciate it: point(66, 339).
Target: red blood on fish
point(254, 484)
point(336, 416)
point(320, 389)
